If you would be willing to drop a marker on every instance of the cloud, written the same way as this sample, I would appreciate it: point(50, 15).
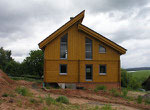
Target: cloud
point(23, 24)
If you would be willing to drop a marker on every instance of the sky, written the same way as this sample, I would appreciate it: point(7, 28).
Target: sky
point(25, 23)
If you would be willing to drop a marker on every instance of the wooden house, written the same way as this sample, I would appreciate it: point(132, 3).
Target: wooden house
point(76, 54)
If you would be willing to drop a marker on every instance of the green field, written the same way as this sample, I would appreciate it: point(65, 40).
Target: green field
point(141, 75)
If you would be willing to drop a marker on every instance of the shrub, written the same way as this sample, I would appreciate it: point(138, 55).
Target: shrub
point(5, 95)
point(125, 92)
point(102, 87)
point(23, 91)
point(49, 100)
point(62, 99)
point(106, 107)
point(139, 99)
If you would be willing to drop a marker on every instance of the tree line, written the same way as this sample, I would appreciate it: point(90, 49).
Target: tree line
point(31, 65)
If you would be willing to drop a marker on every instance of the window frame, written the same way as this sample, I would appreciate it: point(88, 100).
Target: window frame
point(105, 68)
point(87, 51)
point(60, 69)
point(66, 54)
point(103, 47)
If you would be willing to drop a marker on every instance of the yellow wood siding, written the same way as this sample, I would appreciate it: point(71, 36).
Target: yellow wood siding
point(76, 59)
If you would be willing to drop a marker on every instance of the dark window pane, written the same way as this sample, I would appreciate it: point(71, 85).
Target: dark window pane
point(102, 49)
point(102, 68)
point(63, 46)
point(63, 68)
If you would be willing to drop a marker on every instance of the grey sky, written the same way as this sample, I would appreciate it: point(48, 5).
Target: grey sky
point(24, 23)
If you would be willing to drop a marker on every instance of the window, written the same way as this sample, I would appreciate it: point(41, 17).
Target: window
point(102, 69)
point(88, 48)
point(102, 49)
point(63, 69)
point(63, 47)
point(88, 72)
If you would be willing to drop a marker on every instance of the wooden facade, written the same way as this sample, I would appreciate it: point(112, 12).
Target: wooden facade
point(76, 61)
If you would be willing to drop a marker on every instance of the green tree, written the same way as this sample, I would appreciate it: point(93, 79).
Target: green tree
point(5, 57)
point(34, 63)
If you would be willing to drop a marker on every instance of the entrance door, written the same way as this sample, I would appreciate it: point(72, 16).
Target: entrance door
point(88, 72)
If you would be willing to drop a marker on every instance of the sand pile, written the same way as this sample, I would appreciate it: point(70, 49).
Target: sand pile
point(5, 81)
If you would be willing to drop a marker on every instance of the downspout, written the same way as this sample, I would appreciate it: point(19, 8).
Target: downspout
point(78, 71)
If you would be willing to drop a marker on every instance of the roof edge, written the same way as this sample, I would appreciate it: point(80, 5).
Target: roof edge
point(102, 38)
point(77, 18)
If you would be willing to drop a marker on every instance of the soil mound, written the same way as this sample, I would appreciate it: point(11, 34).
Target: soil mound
point(5, 81)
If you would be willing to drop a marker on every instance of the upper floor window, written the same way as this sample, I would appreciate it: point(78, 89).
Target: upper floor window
point(102, 49)
point(63, 47)
point(88, 48)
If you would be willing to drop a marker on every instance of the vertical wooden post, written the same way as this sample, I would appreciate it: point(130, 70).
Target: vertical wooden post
point(119, 74)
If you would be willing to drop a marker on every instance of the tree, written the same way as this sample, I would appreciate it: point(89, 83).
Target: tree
point(5, 57)
point(34, 63)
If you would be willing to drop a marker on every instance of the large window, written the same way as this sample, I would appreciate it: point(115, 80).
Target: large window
point(88, 48)
point(63, 47)
point(102, 69)
point(102, 49)
point(63, 69)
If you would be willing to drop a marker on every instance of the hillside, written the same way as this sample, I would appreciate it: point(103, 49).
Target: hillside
point(138, 69)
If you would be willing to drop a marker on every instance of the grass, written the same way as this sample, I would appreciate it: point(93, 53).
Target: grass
point(23, 91)
point(107, 107)
point(5, 95)
point(26, 79)
point(49, 100)
point(114, 92)
point(141, 75)
point(100, 87)
point(62, 99)
point(139, 99)
point(124, 93)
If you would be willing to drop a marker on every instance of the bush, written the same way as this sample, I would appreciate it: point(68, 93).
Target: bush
point(62, 99)
point(102, 87)
point(23, 91)
point(139, 99)
point(5, 95)
point(125, 92)
point(49, 100)
point(106, 107)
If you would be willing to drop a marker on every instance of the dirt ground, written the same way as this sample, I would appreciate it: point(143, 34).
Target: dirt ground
point(77, 98)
